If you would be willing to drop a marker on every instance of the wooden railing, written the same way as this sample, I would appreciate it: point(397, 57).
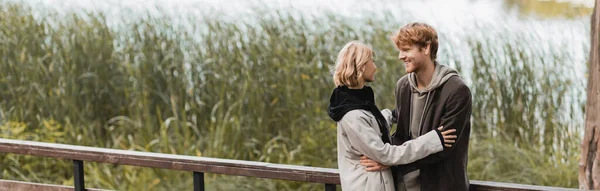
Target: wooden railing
point(197, 165)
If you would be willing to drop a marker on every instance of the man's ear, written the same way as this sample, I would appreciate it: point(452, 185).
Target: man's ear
point(427, 49)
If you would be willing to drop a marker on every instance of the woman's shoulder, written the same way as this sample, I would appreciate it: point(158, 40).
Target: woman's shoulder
point(358, 114)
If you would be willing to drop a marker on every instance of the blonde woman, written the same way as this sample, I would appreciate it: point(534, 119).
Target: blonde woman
point(362, 130)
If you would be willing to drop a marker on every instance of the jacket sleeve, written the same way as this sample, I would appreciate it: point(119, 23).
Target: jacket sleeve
point(389, 118)
point(397, 99)
point(457, 115)
point(363, 138)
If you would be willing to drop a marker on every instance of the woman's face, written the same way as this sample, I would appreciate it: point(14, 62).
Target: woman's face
point(369, 73)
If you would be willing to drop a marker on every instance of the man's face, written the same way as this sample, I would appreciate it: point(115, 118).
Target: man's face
point(413, 57)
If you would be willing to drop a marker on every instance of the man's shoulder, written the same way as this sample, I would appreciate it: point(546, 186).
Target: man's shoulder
point(456, 82)
point(402, 81)
point(456, 85)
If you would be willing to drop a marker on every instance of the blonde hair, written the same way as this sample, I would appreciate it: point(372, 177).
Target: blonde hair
point(350, 63)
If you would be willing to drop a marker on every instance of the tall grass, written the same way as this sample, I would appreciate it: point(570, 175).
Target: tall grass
point(254, 90)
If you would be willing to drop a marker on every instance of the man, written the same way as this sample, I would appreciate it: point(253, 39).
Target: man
point(430, 95)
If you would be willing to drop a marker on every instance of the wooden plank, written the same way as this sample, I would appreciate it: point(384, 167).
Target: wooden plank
point(169, 161)
point(28, 186)
point(500, 186)
point(210, 165)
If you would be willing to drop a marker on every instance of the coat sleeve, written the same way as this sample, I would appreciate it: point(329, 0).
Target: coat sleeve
point(389, 118)
point(363, 138)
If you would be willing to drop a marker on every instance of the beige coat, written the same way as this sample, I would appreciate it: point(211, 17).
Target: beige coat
point(358, 134)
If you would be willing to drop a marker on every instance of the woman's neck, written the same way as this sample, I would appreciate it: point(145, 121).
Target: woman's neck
point(361, 85)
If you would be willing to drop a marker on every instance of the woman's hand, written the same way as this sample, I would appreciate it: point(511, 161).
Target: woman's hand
point(372, 165)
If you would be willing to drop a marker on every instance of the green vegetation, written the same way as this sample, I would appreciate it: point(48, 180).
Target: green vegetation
point(252, 91)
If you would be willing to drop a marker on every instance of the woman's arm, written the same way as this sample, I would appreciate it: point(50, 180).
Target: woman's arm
point(371, 165)
point(363, 137)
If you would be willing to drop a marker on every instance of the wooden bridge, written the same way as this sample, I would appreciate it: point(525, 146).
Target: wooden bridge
point(196, 165)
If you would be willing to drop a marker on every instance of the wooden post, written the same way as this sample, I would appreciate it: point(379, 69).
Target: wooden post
point(589, 164)
point(78, 178)
point(198, 181)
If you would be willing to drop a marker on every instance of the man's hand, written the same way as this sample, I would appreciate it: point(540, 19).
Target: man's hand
point(449, 138)
point(372, 165)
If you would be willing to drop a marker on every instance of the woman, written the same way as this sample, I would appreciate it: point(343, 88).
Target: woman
point(362, 130)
